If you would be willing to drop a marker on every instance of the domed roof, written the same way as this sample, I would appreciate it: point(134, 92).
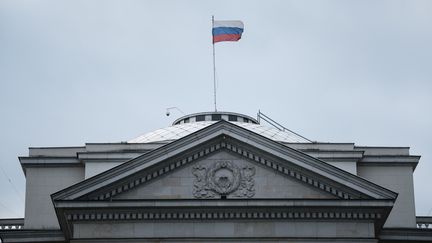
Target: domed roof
point(194, 122)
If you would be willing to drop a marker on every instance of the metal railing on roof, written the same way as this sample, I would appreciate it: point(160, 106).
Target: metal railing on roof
point(277, 125)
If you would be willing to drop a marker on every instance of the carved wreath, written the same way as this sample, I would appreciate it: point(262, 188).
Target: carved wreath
point(223, 178)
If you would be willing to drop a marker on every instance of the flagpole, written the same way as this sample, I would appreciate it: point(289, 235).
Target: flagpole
point(214, 67)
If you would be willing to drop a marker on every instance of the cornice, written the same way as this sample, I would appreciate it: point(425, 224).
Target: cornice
point(227, 136)
point(405, 235)
point(178, 210)
point(390, 160)
point(231, 209)
point(223, 214)
point(335, 155)
point(32, 236)
point(42, 161)
point(235, 203)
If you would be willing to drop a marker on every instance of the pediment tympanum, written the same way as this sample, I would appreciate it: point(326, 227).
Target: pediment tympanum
point(224, 175)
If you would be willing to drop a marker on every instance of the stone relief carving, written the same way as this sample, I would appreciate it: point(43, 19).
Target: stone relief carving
point(223, 178)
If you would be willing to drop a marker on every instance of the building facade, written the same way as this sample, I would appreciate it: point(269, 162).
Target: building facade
point(219, 177)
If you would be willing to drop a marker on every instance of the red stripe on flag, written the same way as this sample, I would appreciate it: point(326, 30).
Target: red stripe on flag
point(226, 37)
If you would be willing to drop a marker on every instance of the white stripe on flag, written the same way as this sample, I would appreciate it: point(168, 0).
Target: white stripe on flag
point(228, 23)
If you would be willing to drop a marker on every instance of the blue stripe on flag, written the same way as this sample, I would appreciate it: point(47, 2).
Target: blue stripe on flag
point(227, 30)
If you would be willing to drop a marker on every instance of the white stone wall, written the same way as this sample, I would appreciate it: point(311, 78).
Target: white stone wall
point(350, 167)
point(94, 168)
point(40, 184)
point(398, 179)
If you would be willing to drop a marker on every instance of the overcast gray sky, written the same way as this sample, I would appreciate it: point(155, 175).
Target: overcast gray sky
point(105, 71)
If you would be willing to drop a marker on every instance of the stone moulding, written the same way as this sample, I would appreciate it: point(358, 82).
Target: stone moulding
point(201, 210)
point(224, 215)
point(233, 148)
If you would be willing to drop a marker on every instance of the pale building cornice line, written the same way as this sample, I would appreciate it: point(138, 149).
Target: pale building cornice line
point(223, 129)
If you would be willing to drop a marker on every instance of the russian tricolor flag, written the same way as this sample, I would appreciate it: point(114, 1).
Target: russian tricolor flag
point(227, 30)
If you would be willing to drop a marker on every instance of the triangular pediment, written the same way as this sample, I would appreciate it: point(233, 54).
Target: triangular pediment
point(224, 174)
point(222, 139)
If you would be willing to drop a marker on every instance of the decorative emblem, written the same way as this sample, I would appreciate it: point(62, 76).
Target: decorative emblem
point(223, 178)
